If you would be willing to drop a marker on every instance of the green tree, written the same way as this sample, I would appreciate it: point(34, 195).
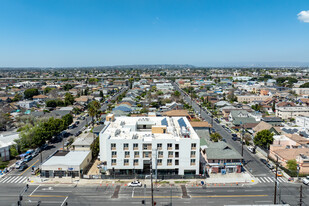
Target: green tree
point(17, 97)
point(215, 137)
point(306, 85)
point(292, 165)
point(67, 87)
point(13, 151)
point(68, 99)
point(93, 80)
point(176, 93)
point(263, 138)
point(47, 90)
point(29, 93)
point(51, 103)
point(95, 147)
point(68, 119)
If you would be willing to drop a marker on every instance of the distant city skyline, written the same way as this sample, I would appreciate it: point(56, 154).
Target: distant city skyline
point(79, 33)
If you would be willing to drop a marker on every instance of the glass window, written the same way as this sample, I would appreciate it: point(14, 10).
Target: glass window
point(170, 154)
point(127, 153)
point(113, 145)
point(169, 145)
point(192, 153)
point(114, 153)
point(135, 161)
point(135, 145)
point(169, 160)
point(126, 161)
point(177, 146)
point(114, 161)
point(126, 145)
point(193, 145)
point(159, 145)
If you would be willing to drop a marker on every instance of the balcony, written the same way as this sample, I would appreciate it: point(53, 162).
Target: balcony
point(127, 156)
point(193, 148)
point(192, 163)
point(126, 148)
point(135, 164)
point(159, 148)
point(192, 156)
point(136, 156)
point(135, 148)
point(170, 148)
point(126, 164)
point(113, 148)
point(160, 156)
point(159, 164)
point(170, 156)
point(114, 163)
point(114, 156)
point(169, 164)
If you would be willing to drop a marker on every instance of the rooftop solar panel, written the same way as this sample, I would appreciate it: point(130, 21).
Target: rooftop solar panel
point(164, 122)
point(182, 123)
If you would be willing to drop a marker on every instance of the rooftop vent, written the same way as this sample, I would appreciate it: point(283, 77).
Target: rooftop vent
point(117, 132)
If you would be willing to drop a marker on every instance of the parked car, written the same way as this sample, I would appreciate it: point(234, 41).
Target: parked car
point(135, 184)
point(18, 164)
point(44, 146)
point(22, 167)
point(270, 166)
point(264, 161)
point(306, 180)
point(28, 158)
point(234, 138)
point(36, 152)
point(251, 149)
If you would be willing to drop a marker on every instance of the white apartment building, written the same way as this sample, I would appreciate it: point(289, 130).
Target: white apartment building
point(292, 112)
point(302, 121)
point(131, 144)
point(301, 91)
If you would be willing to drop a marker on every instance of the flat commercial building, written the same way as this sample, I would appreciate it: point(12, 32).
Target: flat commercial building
point(131, 144)
point(65, 163)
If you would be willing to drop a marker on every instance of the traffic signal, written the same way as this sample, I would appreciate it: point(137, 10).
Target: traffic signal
point(18, 203)
point(143, 202)
point(154, 203)
point(20, 198)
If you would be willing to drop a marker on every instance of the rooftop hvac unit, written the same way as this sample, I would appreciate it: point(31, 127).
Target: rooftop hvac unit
point(117, 132)
point(122, 123)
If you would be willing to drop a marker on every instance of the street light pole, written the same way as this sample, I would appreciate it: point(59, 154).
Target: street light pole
point(242, 141)
point(275, 195)
point(151, 172)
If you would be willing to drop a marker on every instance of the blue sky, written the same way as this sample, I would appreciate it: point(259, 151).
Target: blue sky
point(57, 33)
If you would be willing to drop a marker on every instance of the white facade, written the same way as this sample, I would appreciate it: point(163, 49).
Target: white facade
point(27, 104)
point(302, 121)
point(128, 143)
point(292, 112)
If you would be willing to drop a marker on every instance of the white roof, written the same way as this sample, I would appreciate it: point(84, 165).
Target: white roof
point(7, 139)
point(73, 158)
point(127, 128)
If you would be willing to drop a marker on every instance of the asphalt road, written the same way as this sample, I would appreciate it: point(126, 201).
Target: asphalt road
point(101, 194)
point(251, 161)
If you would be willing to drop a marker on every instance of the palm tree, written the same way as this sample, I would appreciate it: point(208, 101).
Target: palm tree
point(92, 112)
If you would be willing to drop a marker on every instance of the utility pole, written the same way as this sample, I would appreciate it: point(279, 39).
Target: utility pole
point(242, 141)
point(300, 195)
point(276, 177)
point(151, 183)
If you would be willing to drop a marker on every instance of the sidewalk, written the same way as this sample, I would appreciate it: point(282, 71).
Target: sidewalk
point(214, 179)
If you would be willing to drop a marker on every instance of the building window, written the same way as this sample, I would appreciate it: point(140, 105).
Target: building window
point(126, 162)
point(169, 146)
point(147, 146)
point(160, 154)
point(127, 154)
point(113, 146)
point(125, 146)
point(159, 161)
point(135, 146)
point(193, 146)
point(159, 146)
point(114, 154)
point(192, 153)
point(170, 154)
point(176, 162)
point(169, 162)
point(114, 161)
point(176, 146)
point(192, 162)
point(135, 162)
point(136, 154)
point(176, 154)
point(147, 154)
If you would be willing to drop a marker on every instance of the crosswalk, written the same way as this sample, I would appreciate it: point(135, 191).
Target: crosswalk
point(270, 179)
point(13, 179)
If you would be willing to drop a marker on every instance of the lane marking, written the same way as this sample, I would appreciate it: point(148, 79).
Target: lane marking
point(34, 190)
point(271, 180)
point(12, 179)
point(133, 192)
point(28, 168)
point(22, 180)
point(203, 196)
point(17, 179)
point(64, 201)
point(7, 179)
point(46, 196)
